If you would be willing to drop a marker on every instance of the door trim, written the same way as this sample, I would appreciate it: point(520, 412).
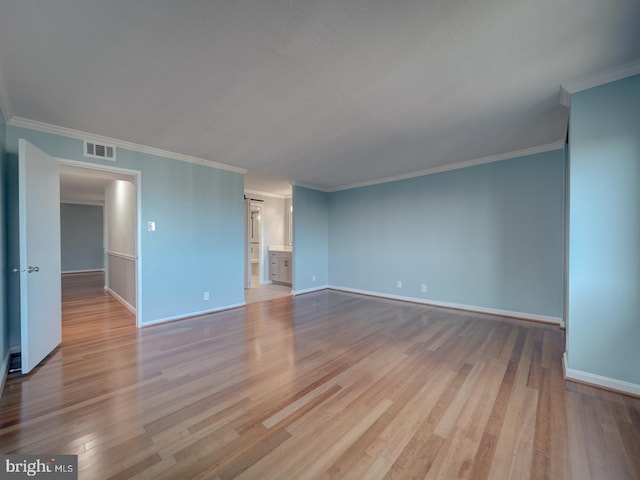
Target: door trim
point(247, 243)
point(137, 175)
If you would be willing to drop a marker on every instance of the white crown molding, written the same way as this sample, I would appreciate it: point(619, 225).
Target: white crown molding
point(607, 76)
point(80, 135)
point(312, 186)
point(264, 194)
point(592, 379)
point(454, 166)
point(444, 168)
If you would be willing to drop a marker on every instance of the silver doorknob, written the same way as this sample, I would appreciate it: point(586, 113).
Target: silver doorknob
point(16, 270)
point(33, 269)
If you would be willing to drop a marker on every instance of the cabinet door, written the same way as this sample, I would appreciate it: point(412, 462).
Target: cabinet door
point(284, 270)
point(273, 267)
point(287, 270)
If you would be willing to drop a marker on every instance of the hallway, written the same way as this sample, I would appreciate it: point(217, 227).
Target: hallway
point(83, 299)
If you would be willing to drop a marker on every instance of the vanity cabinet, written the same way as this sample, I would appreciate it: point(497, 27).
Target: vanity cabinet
point(280, 266)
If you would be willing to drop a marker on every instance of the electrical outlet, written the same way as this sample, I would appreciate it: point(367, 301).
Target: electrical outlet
point(205, 296)
point(399, 284)
point(423, 289)
point(313, 278)
point(151, 226)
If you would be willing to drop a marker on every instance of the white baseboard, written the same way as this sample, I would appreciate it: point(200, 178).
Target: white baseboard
point(124, 303)
point(192, 314)
point(4, 370)
point(470, 308)
point(598, 380)
point(91, 270)
point(309, 290)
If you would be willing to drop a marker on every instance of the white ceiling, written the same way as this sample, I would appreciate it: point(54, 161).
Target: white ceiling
point(327, 93)
point(86, 185)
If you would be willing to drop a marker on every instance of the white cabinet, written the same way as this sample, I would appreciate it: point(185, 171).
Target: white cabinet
point(280, 266)
point(284, 269)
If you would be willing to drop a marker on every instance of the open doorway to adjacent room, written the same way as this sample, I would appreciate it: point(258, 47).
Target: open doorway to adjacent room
point(268, 249)
point(99, 234)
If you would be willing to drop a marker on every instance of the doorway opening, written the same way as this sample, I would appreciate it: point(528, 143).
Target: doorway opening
point(267, 276)
point(88, 191)
point(34, 248)
point(255, 244)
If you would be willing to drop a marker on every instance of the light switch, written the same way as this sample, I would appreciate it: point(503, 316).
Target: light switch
point(151, 226)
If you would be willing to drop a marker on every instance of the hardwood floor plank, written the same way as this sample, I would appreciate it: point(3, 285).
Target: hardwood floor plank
point(450, 417)
point(419, 454)
point(462, 441)
point(620, 463)
point(541, 462)
point(486, 450)
point(323, 385)
point(559, 442)
point(577, 449)
point(358, 458)
point(315, 466)
point(141, 466)
point(393, 439)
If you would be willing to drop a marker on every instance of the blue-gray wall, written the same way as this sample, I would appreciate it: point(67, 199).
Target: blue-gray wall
point(4, 325)
point(310, 239)
point(81, 237)
point(488, 236)
point(198, 242)
point(603, 326)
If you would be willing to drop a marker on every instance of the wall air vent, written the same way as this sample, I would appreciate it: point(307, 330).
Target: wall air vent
point(99, 150)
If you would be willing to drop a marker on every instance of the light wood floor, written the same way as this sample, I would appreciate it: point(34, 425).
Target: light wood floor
point(324, 385)
point(265, 291)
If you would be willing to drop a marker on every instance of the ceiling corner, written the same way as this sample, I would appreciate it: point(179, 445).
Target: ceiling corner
point(565, 97)
point(263, 193)
point(312, 186)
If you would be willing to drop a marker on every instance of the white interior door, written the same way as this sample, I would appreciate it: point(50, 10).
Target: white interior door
point(39, 225)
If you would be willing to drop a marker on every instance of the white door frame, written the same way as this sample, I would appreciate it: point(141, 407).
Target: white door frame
point(247, 243)
point(259, 205)
point(137, 175)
